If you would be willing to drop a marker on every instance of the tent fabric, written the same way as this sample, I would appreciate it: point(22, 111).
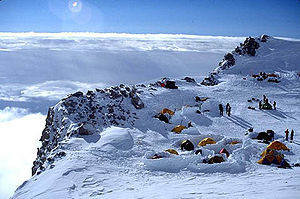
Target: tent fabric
point(270, 159)
point(178, 128)
point(206, 141)
point(172, 151)
point(187, 145)
point(223, 150)
point(215, 159)
point(276, 145)
point(165, 110)
point(270, 152)
point(234, 142)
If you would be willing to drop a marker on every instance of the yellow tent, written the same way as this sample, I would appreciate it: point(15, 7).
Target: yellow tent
point(206, 141)
point(165, 110)
point(173, 151)
point(270, 159)
point(234, 142)
point(270, 152)
point(276, 145)
point(178, 128)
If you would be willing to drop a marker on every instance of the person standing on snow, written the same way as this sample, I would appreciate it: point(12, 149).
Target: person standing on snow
point(221, 109)
point(259, 104)
point(287, 135)
point(264, 98)
point(228, 109)
point(292, 135)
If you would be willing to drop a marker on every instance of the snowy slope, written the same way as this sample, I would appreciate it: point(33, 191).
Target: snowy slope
point(113, 160)
point(39, 69)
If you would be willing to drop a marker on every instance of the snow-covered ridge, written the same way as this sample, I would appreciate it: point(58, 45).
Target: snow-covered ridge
point(104, 143)
point(270, 55)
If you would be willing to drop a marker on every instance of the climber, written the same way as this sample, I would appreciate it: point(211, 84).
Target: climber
point(221, 109)
point(287, 135)
point(292, 135)
point(274, 105)
point(228, 109)
point(264, 98)
point(259, 104)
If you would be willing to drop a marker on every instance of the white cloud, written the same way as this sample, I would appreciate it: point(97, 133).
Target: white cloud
point(118, 42)
point(20, 132)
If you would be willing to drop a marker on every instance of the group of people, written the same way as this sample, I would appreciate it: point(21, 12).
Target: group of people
point(227, 108)
point(265, 101)
point(287, 135)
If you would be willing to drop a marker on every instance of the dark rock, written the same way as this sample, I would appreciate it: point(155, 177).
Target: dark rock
point(171, 85)
point(189, 79)
point(264, 38)
point(83, 130)
point(77, 94)
point(137, 102)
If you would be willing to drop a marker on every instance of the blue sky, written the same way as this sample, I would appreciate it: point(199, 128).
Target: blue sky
point(201, 17)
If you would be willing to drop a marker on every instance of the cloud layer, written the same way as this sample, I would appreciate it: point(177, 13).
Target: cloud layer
point(20, 132)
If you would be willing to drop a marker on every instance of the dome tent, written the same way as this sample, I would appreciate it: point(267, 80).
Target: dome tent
point(206, 141)
point(276, 145)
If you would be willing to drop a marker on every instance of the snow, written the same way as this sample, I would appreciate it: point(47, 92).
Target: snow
point(115, 162)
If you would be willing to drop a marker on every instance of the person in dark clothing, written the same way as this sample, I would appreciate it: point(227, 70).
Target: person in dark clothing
point(228, 109)
point(264, 98)
point(287, 135)
point(292, 135)
point(274, 104)
point(221, 109)
point(259, 104)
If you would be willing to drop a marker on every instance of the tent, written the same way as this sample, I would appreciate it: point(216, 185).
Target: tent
point(172, 151)
point(263, 136)
point(206, 141)
point(178, 128)
point(270, 152)
point(234, 142)
point(270, 159)
point(171, 85)
point(162, 117)
point(187, 145)
point(223, 150)
point(165, 110)
point(276, 145)
point(215, 159)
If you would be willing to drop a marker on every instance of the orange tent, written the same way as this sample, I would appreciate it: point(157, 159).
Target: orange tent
point(276, 145)
point(173, 151)
point(178, 128)
point(165, 110)
point(206, 141)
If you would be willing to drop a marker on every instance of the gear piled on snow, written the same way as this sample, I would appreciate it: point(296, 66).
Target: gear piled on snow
point(211, 80)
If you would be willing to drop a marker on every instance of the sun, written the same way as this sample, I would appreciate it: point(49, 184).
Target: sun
point(75, 4)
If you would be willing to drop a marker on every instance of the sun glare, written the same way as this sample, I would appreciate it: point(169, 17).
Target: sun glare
point(75, 3)
point(75, 6)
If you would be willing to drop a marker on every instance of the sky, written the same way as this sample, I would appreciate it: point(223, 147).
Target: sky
point(200, 17)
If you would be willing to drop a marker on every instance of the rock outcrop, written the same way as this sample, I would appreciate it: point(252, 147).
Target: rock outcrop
point(84, 114)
